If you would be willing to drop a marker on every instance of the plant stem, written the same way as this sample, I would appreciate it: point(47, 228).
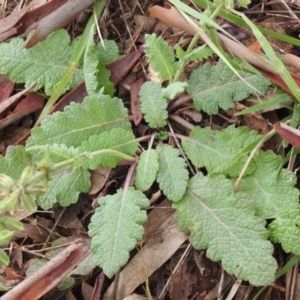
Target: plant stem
point(193, 44)
point(183, 61)
point(217, 11)
point(99, 6)
point(258, 146)
point(94, 154)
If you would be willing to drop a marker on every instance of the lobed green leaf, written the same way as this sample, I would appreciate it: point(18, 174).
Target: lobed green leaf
point(117, 139)
point(218, 151)
point(78, 122)
point(107, 53)
point(14, 162)
point(161, 57)
point(146, 170)
point(217, 86)
point(276, 197)
point(44, 64)
point(197, 54)
point(224, 223)
point(172, 174)
point(115, 228)
point(96, 76)
point(65, 187)
point(173, 89)
point(153, 104)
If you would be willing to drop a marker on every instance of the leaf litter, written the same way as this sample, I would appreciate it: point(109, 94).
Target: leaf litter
point(150, 262)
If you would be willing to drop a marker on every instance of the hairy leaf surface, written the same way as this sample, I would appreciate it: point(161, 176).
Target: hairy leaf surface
point(273, 190)
point(198, 54)
point(115, 228)
point(96, 76)
point(173, 89)
point(217, 150)
point(224, 223)
point(44, 64)
point(55, 153)
point(15, 160)
point(285, 230)
point(161, 57)
point(108, 53)
point(153, 104)
point(88, 155)
point(117, 139)
point(217, 86)
point(172, 174)
point(146, 170)
point(77, 122)
point(65, 187)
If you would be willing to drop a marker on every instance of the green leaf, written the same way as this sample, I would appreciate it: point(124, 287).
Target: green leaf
point(96, 76)
point(224, 223)
point(117, 139)
point(198, 54)
point(65, 187)
point(115, 228)
point(153, 104)
point(146, 170)
point(179, 51)
point(273, 190)
point(5, 236)
point(161, 57)
point(43, 64)
point(285, 230)
point(173, 89)
point(172, 174)
point(55, 153)
point(4, 259)
point(217, 86)
point(108, 53)
point(95, 151)
point(3, 288)
point(243, 3)
point(14, 162)
point(217, 151)
point(77, 122)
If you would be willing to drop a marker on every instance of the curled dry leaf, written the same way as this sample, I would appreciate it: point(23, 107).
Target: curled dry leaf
point(135, 101)
point(292, 135)
point(49, 276)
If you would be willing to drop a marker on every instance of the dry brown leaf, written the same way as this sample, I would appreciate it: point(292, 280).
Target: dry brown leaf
point(6, 88)
point(87, 291)
point(49, 276)
point(10, 274)
point(28, 105)
point(35, 233)
point(13, 99)
point(290, 134)
point(122, 66)
point(135, 101)
point(181, 285)
point(99, 178)
point(158, 215)
point(8, 24)
point(98, 286)
point(135, 297)
point(58, 18)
